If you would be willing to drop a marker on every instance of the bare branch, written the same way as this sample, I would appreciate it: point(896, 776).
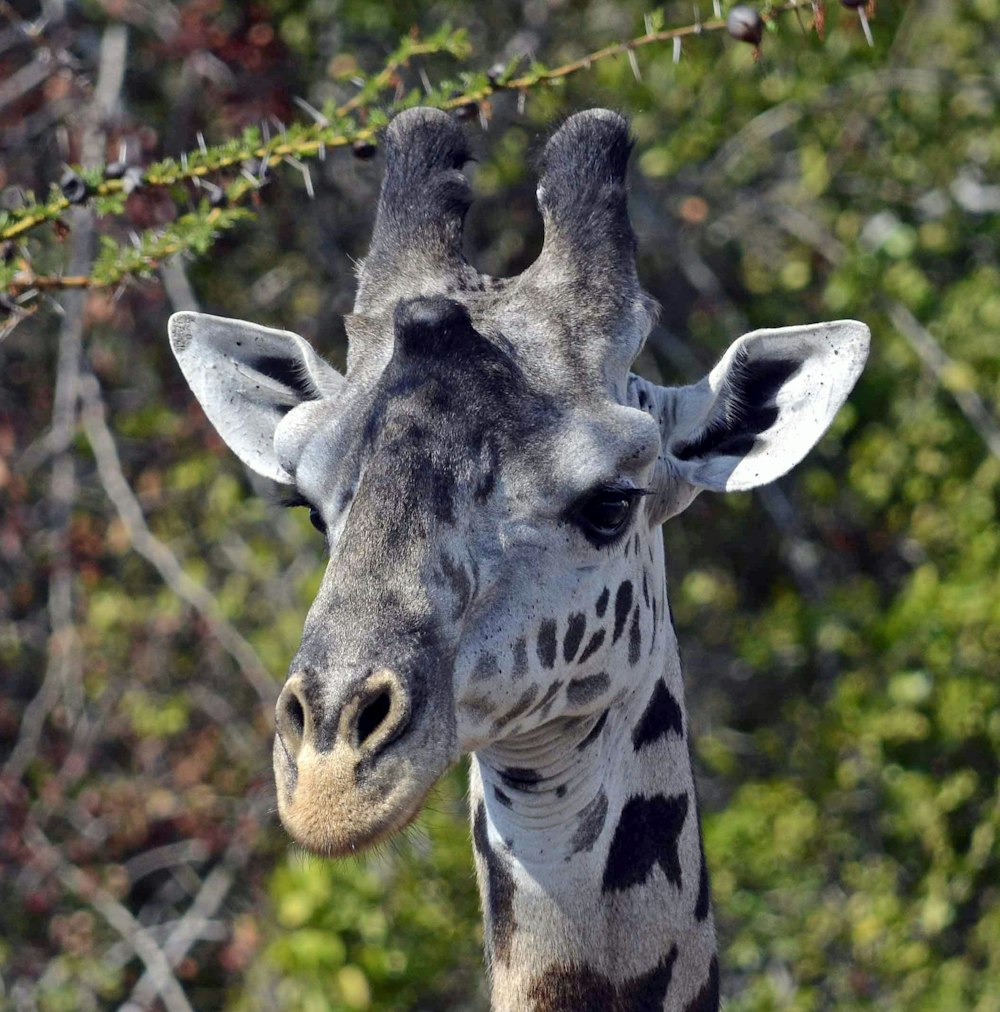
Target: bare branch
point(156, 552)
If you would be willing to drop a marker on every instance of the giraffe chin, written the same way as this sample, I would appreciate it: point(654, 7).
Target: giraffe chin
point(334, 805)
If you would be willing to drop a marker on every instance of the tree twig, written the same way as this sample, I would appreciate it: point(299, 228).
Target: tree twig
point(156, 552)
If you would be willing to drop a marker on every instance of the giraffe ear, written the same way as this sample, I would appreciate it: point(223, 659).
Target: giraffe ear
point(760, 410)
point(247, 378)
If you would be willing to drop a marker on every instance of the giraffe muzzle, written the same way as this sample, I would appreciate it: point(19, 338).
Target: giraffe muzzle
point(341, 784)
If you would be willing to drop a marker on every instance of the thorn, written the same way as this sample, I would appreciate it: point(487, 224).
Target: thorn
point(358, 81)
point(119, 292)
point(311, 110)
point(634, 64)
point(184, 161)
point(279, 126)
point(717, 8)
point(250, 178)
point(677, 49)
point(304, 169)
point(262, 170)
point(521, 100)
point(202, 146)
point(136, 241)
point(863, 18)
point(484, 120)
point(648, 21)
point(265, 131)
point(697, 17)
point(26, 295)
point(321, 151)
point(425, 81)
point(123, 151)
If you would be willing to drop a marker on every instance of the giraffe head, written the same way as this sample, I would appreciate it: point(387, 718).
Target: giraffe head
point(487, 476)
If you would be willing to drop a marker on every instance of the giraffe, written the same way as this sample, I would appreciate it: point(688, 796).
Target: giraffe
point(490, 480)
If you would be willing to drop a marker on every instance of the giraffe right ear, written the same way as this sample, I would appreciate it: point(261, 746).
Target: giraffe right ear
point(247, 378)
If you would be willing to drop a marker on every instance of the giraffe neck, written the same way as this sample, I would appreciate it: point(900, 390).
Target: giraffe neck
point(589, 858)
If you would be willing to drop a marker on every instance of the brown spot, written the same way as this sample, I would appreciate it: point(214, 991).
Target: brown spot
point(573, 987)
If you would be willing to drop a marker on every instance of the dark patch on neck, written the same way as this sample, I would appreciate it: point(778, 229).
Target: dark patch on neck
point(527, 698)
point(646, 836)
point(520, 778)
point(602, 602)
point(591, 822)
point(645, 586)
point(550, 694)
point(575, 629)
point(623, 605)
point(546, 646)
point(595, 641)
point(520, 658)
point(635, 638)
point(744, 408)
point(661, 716)
point(581, 691)
point(499, 889)
point(595, 731)
point(576, 987)
point(707, 999)
point(503, 798)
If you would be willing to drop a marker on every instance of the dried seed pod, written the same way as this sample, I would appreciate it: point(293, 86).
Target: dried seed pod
point(73, 187)
point(364, 149)
point(745, 24)
point(467, 111)
point(114, 170)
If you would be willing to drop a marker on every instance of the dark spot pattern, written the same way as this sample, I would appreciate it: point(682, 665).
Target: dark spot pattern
point(602, 602)
point(623, 605)
point(519, 777)
point(499, 889)
point(646, 836)
point(546, 646)
point(526, 699)
point(572, 987)
point(591, 822)
point(487, 666)
point(635, 638)
point(459, 582)
point(707, 999)
point(635, 544)
point(583, 690)
point(652, 635)
point(595, 731)
point(702, 903)
point(561, 791)
point(503, 798)
point(661, 716)
point(550, 694)
point(588, 651)
point(520, 658)
point(575, 629)
point(645, 587)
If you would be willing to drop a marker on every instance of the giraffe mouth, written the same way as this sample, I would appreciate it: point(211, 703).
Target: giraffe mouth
point(333, 804)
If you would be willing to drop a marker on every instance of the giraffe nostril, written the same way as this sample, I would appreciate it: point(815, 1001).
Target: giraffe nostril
point(372, 716)
point(296, 715)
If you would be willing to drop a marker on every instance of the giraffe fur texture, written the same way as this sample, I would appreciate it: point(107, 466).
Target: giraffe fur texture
point(490, 479)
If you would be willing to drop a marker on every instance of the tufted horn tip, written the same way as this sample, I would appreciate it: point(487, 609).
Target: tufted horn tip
point(588, 153)
point(423, 142)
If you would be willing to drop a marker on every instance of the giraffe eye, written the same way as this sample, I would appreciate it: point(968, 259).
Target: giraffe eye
point(316, 519)
point(605, 513)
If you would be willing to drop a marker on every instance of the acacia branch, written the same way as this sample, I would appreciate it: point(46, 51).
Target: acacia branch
point(355, 123)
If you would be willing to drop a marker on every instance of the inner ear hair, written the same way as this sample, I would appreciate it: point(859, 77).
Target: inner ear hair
point(744, 407)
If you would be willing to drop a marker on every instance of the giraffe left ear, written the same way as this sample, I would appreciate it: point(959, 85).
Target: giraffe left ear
point(759, 411)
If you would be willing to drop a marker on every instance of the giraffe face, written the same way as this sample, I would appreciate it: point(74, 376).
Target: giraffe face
point(484, 571)
point(488, 477)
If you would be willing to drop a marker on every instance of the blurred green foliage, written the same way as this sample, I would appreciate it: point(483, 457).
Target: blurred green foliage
point(841, 631)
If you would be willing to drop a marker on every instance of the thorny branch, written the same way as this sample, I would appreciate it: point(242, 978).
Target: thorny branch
point(356, 123)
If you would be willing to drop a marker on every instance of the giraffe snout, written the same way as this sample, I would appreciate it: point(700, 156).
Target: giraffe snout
point(375, 713)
